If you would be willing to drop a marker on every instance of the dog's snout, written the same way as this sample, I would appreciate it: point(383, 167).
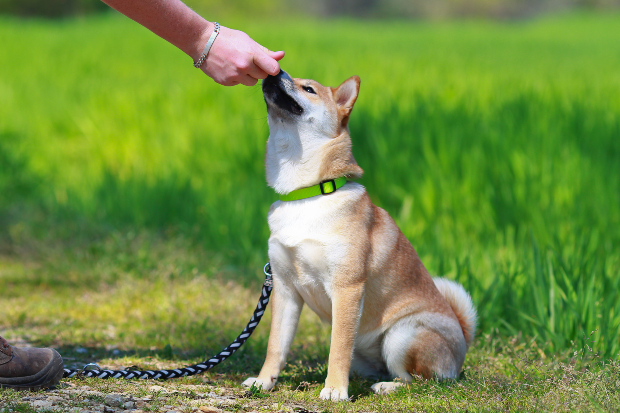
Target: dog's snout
point(278, 90)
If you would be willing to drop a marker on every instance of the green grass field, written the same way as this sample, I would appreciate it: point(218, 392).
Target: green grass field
point(128, 178)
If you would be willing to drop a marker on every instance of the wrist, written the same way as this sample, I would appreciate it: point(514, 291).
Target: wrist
point(201, 40)
point(203, 56)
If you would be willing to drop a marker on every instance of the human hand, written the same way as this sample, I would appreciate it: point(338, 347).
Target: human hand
point(236, 59)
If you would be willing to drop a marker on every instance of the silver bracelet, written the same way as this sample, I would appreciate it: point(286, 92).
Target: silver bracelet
point(205, 52)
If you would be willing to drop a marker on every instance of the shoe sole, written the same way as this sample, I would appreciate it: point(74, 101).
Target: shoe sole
point(49, 376)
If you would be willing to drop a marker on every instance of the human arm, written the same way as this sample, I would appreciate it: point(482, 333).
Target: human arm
point(234, 57)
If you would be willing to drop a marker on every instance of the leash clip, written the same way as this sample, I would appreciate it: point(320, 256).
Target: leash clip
point(82, 373)
point(268, 276)
point(86, 367)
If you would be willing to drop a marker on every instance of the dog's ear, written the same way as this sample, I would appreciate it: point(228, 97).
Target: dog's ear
point(345, 96)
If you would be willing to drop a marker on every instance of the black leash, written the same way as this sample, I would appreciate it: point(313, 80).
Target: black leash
point(189, 370)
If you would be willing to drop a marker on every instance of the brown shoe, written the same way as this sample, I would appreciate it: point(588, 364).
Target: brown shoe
point(29, 368)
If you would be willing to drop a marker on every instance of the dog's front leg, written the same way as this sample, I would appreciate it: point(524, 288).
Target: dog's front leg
point(286, 305)
point(346, 312)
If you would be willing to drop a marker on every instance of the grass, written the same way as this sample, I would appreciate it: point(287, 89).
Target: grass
point(116, 326)
point(127, 179)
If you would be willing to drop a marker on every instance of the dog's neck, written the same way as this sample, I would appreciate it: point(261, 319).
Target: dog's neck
point(299, 156)
point(293, 158)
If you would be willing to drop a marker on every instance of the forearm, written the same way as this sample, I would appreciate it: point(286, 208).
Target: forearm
point(235, 58)
point(171, 20)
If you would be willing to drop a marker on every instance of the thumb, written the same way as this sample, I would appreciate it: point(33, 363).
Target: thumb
point(276, 55)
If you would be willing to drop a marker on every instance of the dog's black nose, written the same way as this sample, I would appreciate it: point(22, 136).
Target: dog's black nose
point(278, 81)
point(284, 76)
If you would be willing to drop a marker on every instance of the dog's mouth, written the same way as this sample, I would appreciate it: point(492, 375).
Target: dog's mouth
point(274, 90)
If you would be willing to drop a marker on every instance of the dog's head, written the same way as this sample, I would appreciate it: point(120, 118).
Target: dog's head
point(309, 139)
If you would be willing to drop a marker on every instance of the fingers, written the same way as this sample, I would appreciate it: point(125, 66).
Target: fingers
point(248, 80)
point(245, 80)
point(241, 78)
point(256, 72)
point(267, 63)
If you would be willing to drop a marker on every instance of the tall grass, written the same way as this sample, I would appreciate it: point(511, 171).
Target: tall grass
point(496, 147)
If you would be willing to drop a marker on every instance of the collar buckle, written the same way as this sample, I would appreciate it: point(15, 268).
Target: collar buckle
point(328, 189)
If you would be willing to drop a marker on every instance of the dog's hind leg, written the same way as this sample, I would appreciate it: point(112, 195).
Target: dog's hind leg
point(429, 345)
point(367, 360)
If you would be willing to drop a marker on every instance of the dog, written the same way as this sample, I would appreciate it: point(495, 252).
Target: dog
point(332, 249)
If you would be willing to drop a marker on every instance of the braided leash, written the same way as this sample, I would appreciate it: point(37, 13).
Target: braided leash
point(196, 368)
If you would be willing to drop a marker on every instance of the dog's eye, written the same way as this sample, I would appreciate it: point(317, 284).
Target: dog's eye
point(309, 90)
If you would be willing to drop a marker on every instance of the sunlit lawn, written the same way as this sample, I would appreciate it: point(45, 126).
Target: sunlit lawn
point(133, 200)
point(160, 303)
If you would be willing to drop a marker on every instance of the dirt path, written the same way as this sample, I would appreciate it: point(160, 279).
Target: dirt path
point(138, 398)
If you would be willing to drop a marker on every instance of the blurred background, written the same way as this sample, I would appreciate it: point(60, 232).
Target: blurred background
point(489, 129)
point(415, 9)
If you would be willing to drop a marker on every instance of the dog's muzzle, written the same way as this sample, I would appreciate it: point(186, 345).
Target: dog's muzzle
point(277, 89)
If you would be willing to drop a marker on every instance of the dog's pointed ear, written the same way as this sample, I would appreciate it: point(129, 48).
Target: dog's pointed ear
point(345, 96)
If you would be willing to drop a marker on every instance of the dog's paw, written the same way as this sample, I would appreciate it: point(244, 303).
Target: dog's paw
point(385, 387)
point(334, 394)
point(256, 382)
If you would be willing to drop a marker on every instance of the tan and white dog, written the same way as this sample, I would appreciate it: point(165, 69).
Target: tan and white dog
point(345, 257)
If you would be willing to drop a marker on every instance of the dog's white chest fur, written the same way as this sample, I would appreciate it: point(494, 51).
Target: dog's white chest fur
point(306, 243)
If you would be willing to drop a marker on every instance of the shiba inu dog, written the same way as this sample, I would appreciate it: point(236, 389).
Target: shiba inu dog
point(344, 257)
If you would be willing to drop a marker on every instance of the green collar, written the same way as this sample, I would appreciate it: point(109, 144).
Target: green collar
point(324, 188)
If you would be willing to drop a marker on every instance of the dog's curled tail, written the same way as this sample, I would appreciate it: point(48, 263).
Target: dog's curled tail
point(461, 304)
